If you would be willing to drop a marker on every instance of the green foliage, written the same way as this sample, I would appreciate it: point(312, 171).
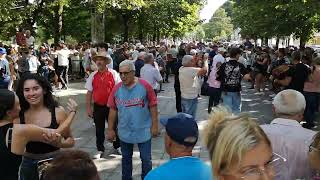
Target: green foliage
point(277, 18)
point(152, 19)
point(219, 26)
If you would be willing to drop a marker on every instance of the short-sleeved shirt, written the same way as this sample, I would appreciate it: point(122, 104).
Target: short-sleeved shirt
point(4, 66)
point(183, 168)
point(230, 74)
point(138, 65)
point(63, 56)
point(213, 74)
point(101, 85)
point(299, 74)
point(151, 75)
point(134, 117)
point(188, 82)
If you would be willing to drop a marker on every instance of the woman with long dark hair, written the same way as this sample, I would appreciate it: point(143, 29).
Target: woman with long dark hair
point(14, 137)
point(39, 107)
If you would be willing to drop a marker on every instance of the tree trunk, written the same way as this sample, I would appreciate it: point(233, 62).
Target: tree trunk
point(154, 35)
point(303, 42)
point(277, 42)
point(126, 27)
point(59, 22)
point(97, 27)
point(158, 36)
point(140, 26)
point(266, 41)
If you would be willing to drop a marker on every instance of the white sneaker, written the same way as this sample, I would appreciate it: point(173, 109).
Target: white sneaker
point(98, 155)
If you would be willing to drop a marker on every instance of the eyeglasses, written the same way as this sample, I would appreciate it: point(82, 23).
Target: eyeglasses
point(125, 73)
point(270, 169)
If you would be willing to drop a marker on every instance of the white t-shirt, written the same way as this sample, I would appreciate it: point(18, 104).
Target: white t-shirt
point(33, 63)
point(189, 82)
point(30, 41)
point(89, 80)
point(73, 56)
point(63, 56)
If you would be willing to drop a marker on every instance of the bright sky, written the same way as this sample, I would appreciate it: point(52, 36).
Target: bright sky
point(208, 10)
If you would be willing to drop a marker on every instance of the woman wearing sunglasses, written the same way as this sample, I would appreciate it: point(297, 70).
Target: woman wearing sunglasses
point(238, 148)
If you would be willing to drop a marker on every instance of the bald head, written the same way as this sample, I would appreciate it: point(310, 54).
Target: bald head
point(289, 103)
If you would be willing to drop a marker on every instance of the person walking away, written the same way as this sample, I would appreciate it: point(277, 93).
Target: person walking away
point(188, 75)
point(297, 74)
point(214, 90)
point(63, 63)
point(311, 92)
point(171, 59)
point(99, 85)
point(176, 85)
point(181, 136)
point(139, 63)
point(150, 73)
point(4, 70)
point(135, 104)
point(230, 74)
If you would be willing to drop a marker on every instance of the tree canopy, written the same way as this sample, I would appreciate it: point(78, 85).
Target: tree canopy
point(219, 26)
point(134, 19)
point(277, 18)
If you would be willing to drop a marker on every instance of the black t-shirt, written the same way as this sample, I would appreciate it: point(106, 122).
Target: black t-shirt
point(230, 74)
point(299, 74)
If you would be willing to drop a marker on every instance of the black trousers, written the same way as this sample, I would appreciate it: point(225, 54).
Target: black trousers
point(100, 115)
point(215, 96)
point(63, 75)
point(169, 69)
point(178, 98)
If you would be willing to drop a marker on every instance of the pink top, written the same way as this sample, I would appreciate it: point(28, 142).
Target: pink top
point(314, 85)
point(213, 74)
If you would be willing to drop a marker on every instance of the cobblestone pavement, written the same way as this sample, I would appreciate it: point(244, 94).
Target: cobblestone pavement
point(259, 105)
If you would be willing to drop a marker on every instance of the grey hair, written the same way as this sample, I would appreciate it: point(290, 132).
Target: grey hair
point(128, 63)
point(148, 58)
point(186, 60)
point(141, 54)
point(289, 102)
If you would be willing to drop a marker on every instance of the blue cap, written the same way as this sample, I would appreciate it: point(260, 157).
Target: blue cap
point(182, 128)
point(3, 51)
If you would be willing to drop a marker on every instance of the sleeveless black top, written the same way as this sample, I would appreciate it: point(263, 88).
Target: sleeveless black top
point(39, 147)
point(9, 162)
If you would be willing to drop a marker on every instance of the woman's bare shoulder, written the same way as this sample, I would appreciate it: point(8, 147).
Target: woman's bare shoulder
point(61, 114)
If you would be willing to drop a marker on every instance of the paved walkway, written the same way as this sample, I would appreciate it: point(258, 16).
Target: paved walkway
point(84, 132)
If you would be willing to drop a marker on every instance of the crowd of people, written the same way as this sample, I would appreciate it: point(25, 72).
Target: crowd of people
point(122, 83)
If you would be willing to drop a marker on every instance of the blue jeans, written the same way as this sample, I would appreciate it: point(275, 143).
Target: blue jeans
point(232, 100)
point(145, 156)
point(189, 106)
point(312, 100)
point(29, 169)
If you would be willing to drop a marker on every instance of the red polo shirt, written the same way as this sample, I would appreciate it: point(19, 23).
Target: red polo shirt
point(102, 84)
